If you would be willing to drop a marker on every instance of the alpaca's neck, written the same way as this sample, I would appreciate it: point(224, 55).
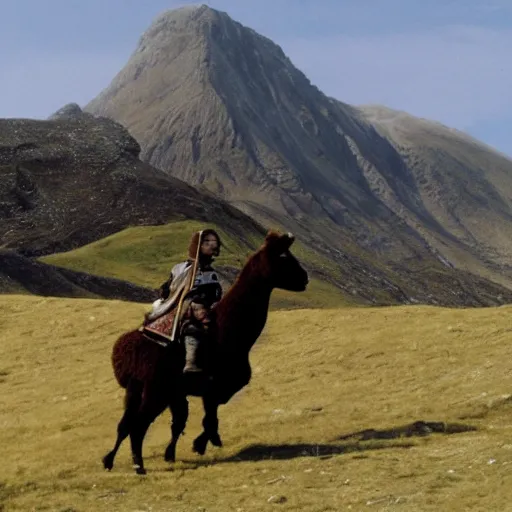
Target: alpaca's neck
point(242, 313)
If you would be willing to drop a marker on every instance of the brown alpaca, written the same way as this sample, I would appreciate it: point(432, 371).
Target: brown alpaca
point(153, 375)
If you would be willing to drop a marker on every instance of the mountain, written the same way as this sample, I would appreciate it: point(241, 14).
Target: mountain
point(221, 107)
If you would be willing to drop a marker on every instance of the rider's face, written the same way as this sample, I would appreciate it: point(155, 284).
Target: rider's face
point(209, 245)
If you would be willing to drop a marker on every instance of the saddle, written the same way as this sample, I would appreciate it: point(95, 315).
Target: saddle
point(160, 329)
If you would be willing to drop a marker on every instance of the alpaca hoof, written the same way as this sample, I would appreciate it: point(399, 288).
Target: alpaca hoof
point(108, 462)
point(216, 440)
point(170, 454)
point(200, 445)
point(139, 470)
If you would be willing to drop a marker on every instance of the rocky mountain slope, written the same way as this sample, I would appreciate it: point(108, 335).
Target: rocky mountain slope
point(465, 185)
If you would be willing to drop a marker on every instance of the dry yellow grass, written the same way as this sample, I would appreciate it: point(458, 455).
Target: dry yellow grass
point(318, 375)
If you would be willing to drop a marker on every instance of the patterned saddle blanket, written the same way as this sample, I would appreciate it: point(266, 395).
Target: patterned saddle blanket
point(161, 328)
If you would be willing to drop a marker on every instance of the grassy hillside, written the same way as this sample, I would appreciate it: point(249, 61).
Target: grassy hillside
point(144, 255)
point(21, 275)
point(293, 439)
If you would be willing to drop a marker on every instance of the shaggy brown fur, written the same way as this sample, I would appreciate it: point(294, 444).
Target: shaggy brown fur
point(152, 374)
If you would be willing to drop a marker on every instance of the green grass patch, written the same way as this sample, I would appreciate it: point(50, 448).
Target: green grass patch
point(144, 255)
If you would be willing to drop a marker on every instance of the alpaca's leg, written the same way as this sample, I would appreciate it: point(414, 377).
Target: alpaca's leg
point(210, 426)
point(153, 404)
point(179, 411)
point(132, 404)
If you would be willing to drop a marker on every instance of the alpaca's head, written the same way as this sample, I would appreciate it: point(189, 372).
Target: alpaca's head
point(279, 265)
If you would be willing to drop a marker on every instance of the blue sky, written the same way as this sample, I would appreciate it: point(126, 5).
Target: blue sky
point(446, 60)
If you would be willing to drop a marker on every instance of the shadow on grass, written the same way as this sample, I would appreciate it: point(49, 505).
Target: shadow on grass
point(416, 429)
point(364, 440)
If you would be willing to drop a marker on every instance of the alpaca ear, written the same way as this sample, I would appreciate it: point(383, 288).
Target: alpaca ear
point(272, 236)
point(277, 243)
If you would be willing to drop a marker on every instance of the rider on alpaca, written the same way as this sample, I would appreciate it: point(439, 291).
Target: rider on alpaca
point(205, 292)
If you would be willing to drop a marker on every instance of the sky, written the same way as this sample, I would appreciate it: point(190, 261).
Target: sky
point(445, 60)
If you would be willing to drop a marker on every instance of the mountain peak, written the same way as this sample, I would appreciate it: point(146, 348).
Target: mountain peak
point(187, 12)
point(186, 15)
point(173, 22)
point(201, 26)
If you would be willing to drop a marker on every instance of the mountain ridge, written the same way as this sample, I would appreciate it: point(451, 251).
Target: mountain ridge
point(478, 184)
